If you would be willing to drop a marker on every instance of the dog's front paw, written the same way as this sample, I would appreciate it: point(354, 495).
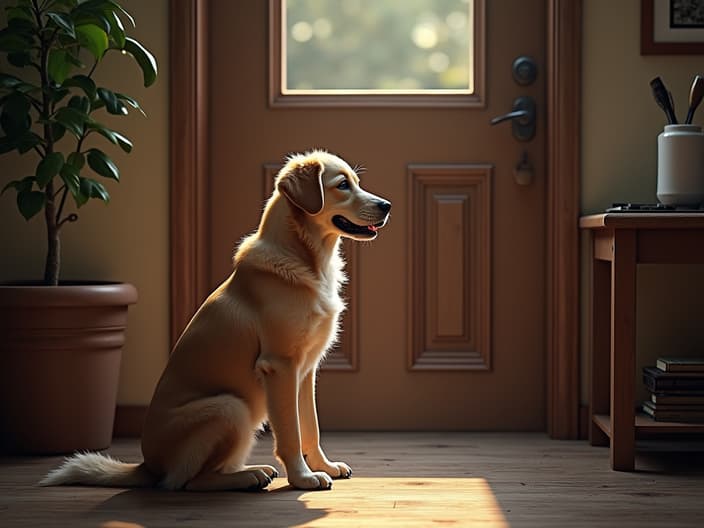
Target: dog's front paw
point(337, 469)
point(343, 470)
point(334, 469)
point(317, 480)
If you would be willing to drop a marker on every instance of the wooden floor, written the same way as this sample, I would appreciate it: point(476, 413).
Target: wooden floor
point(400, 480)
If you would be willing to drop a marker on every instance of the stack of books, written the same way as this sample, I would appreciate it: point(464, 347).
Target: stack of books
point(676, 388)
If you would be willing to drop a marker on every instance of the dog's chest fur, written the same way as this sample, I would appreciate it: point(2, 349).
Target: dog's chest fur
point(322, 330)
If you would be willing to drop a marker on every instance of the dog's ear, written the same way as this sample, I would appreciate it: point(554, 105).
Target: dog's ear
point(302, 184)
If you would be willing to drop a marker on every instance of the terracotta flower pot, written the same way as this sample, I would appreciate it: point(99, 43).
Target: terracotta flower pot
point(60, 349)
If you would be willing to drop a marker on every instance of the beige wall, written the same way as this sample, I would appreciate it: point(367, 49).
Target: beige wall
point(126, 240)
point(620, 124)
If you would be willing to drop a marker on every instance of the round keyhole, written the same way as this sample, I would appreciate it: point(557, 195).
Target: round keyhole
point(524, 70)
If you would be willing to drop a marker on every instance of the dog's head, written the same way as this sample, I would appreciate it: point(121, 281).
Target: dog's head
point(327, 189)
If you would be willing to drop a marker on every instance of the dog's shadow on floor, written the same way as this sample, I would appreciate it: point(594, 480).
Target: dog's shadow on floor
point(279, 507)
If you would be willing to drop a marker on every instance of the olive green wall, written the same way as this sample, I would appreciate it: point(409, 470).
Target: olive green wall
point(126, 240)
point(620, 124)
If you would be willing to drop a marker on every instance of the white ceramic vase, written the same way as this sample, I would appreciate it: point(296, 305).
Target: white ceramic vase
point(681, 166)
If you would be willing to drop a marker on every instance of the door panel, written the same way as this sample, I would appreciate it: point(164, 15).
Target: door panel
point(447, 326)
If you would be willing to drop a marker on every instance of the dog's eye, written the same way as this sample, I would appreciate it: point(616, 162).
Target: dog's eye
point(343, 185)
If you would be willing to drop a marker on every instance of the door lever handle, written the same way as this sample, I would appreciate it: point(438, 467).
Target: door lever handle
point(516, 114)
point(522, 116)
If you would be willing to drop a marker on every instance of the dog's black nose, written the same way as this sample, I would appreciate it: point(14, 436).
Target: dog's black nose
point(384, 206)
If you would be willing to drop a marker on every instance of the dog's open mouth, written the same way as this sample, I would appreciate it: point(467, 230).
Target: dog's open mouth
point(354, 229)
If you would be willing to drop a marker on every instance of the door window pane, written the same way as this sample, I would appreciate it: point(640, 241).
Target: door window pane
point(377, 47)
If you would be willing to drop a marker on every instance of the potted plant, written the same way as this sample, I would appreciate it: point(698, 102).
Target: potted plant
point(61, 342)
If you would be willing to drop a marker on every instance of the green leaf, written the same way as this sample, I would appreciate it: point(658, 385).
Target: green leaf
point(83, 194)
point(117, 6)
point(20, 59)
point(22, 26)
point(68, 4)
point(64, 22)
point(10, 185)
point(112, 103)
point(20, 12)
point(87, 13)
point(104, 6)
point(76, 160)
point(75, 61)
point(27, 142)
point(111, 135)
point(130, 101)
point(48, 168)
point(72, 119)
point(94, 38)
point(93, 189)
point(9, 81)
point(30, 203)
point(70, 177)
point(102, 164)
point(117, 30)
point(16, 106)
point(14, 184)
point(97, 104)
point(103, 131)
point(27, 88)
point(84, 83)
point(57, 131)
point(25, 184)
point(57, 93)
point(80, 103)
point(144, 58)
point(59, 65)
point(15, 119)
point(14, 40)
point(123, 141)
point(7, 145)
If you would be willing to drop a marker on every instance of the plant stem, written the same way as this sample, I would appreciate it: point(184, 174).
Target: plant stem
point(95, 64)
point(61, 206)
point(53, 254)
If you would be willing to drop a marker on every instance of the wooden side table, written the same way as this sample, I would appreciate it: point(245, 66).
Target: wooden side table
point(621, 241)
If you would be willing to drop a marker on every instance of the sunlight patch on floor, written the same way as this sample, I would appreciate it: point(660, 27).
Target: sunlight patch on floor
point(407, 502)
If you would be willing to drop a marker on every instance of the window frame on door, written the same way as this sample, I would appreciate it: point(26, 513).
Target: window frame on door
point(279, 99)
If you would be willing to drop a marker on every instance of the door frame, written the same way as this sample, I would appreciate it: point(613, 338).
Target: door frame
point(190, 241)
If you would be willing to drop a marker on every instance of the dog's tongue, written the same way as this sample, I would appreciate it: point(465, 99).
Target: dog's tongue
point(372, 228)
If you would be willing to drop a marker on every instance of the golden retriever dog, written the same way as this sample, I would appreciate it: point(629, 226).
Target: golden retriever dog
point(251, 352)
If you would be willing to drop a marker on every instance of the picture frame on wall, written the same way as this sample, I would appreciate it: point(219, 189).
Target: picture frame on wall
point(672, 27)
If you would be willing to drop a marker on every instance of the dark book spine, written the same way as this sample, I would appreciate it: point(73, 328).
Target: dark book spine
point(662, 384)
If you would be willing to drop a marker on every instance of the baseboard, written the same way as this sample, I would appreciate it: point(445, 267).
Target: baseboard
point(128, 421)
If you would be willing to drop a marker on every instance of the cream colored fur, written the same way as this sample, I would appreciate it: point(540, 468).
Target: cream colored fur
point(251, 352)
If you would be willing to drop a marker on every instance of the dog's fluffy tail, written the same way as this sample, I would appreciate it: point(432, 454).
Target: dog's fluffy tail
point(94, 469)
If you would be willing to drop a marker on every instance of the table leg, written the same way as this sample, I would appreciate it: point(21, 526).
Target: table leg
point(623, 312)
point(601, 349)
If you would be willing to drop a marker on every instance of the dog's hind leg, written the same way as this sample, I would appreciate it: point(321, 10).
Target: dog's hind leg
point(218, 432)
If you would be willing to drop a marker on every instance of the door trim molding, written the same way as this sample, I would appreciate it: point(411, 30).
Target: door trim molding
point(189, 172)
point(188, 146)
point(563, 161)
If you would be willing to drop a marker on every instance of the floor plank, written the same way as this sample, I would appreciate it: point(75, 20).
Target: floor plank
point(400, 479)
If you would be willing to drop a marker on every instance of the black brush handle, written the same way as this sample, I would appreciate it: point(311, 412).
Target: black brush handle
point(696, 92)
point(662, 98)
point(672, 107)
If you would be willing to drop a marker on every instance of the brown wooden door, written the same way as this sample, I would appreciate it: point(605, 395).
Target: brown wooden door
point(446, 327)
